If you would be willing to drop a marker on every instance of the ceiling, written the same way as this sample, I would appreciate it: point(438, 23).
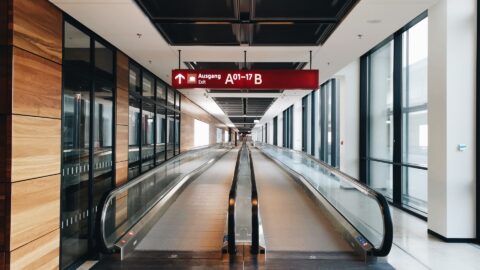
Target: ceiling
point(246, 22)
point(121, 21)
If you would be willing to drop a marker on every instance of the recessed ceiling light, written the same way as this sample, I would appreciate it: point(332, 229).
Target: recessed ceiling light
point(374, 21)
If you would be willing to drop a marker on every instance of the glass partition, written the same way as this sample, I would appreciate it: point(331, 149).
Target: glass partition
point(126, 205)
point(362, 207)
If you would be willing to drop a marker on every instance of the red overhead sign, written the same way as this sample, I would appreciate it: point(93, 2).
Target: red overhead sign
point(245, 79)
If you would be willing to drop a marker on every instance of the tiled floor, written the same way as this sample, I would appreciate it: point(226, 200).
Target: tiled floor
point(414, 248)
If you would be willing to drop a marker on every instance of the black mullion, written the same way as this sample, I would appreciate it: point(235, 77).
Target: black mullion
point(154, 122)
point(140, 143)
point(363, 118)
point(312, 123)
point(91, 217)
point(179, 122)
point(174, 122)
point(405, 127)
point(477, 129)
point(397, 118)
point(114, 122)
point(165, 110)
point(304, 123)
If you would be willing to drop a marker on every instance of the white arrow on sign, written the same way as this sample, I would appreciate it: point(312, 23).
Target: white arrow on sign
point(179, 77)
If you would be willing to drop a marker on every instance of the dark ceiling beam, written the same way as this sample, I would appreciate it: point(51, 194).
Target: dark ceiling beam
point(233, 21)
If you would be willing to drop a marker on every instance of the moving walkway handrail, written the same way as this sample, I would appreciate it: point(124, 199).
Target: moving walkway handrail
point(232, 197)
point(255, 217)
point(387, 240)
point(108, 197)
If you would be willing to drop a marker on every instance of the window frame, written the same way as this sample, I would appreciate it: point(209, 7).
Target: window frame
point(396, 162)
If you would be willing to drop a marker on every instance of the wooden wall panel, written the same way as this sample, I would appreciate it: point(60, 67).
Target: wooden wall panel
point(186, 132)
point(35, 209)
point(122, 71)
point(35, 147)
point(122, 143)
point(121, 173)
point(121, 213)
point(37, 28)
point(122, 107)
point(37, 85)
point(43, 253)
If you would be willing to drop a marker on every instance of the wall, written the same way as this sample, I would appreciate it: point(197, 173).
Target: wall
point(348, 80)
point(297, 125)
point(30, 119)
point(121, 136)
point(451, 118)
point(190, 112)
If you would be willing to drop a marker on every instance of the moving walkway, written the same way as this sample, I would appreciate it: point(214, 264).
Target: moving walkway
point(214, 206)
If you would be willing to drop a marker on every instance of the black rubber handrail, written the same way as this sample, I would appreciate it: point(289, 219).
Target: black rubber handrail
point(387, 240)
point(232, 197)
point(255, 216)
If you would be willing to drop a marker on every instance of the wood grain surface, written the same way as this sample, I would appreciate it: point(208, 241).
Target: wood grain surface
point(35, 147)
point(35, 209)
point(37, 28)
point(42, 253)
point(37, 85)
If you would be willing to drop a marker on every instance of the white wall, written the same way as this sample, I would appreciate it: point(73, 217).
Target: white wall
point(348, 80)
point(451, 118)
point(297, 125)
point(280, 129)
point(270, 132)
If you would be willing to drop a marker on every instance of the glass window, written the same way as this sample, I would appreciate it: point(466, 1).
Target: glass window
point(177, 100)
point(103, 123)
point(134, 79)
point(381, 103)
point(160, 135)
point(329, 148)
point(288, 128)
point(87, 139)
point(275, 130)
point(381, 178)
point(147, 86)
point(415, 115)
point(161, 92)
point(134, 136)
point(170, 134)
point(177, 133)
point(171, 97)
point(381, 118)
point(397, 148)
point(76, 142)
point(148, 136)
